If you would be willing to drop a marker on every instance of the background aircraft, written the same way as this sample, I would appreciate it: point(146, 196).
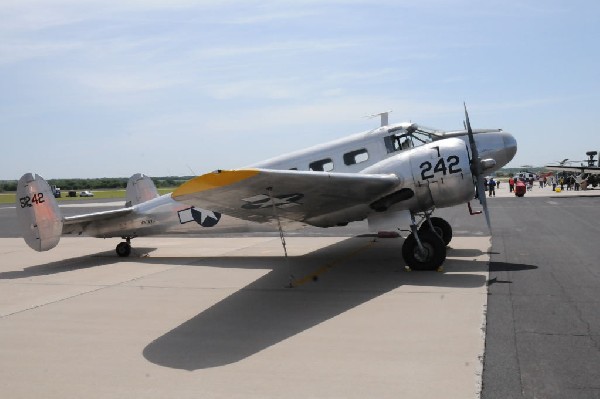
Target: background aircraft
point(395, 175)
point(589, 173)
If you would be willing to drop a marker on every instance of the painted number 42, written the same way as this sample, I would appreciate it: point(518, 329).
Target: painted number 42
point(28, 202)
point(440, 167)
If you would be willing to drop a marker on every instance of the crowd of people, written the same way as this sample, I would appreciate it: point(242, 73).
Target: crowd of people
point(568, 183)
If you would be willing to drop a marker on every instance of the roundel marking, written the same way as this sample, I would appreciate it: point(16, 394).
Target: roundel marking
point(205, 218)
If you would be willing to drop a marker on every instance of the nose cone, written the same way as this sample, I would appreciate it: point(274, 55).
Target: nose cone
point(510, 146)
point(500, 146)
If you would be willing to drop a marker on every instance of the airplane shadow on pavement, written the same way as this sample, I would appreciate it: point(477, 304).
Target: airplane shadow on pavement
point(329, 282)
point(265, 313)
point(67, 265)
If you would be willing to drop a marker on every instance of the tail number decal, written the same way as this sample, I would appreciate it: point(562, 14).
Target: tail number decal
point(440, 166)
point(28, 202)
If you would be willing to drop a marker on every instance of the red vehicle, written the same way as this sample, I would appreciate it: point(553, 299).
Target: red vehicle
point(520, 188)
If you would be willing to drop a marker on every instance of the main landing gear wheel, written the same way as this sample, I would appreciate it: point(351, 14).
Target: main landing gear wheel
point(432, 256)
point(440, 226)
point(123, 249)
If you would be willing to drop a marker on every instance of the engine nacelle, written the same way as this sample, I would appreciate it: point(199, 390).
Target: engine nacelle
point(438, 173)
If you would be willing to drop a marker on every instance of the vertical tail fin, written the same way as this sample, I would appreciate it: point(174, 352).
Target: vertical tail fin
point(38, 213)
point(140, 188)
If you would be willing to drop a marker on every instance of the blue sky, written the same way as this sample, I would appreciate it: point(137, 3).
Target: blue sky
point(109, 88)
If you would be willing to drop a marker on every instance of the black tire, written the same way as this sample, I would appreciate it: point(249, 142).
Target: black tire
point(435, 251)
point(123, 249)
point(441, 227)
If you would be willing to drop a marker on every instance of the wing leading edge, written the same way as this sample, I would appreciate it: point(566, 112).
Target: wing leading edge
point(315, 198)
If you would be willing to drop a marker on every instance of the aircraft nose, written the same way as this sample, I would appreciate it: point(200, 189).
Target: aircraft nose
point(510, 146)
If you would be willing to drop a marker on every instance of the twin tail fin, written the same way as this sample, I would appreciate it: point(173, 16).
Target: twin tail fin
point(38, 213)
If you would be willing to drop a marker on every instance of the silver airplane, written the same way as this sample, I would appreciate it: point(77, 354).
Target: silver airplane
point(394, 175)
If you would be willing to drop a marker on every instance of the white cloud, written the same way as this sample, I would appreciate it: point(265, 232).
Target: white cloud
point(290, 46)
point(13, 51)
point(28, 15)
point(275, 89)
point(268, 16)
point(121, 82)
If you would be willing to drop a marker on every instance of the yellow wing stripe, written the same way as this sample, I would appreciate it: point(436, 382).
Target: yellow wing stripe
point(213, 180)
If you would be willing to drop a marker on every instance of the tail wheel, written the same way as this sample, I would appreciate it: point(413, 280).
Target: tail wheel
point(432, 256)
point(123, 249)
point(441, 228)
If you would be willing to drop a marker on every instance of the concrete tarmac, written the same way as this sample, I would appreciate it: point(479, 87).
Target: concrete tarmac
point(211, 317)
point(188, 316)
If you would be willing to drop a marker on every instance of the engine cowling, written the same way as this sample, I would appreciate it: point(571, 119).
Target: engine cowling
point(441, 173)
point(438, 174)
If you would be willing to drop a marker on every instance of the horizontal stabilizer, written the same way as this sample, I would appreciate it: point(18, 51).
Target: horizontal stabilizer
point(97, 216)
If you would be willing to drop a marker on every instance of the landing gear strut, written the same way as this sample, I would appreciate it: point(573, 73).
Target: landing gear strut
point(425, 249)
point(124, 248)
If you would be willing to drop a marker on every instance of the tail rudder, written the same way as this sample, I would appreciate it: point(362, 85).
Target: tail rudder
point(140, 188)
point(38, 213)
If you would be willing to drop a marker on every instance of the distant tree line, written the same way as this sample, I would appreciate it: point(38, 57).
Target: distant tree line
point(99, 183)
point(8, 185)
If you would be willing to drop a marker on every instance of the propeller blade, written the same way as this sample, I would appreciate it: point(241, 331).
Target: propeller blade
point(483, 201)
point(476, 170)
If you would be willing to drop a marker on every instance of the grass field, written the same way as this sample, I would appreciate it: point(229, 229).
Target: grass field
point(9, 198)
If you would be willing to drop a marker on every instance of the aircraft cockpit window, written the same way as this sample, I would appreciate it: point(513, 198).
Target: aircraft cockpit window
point(395, 143)
point(354, 157)
point(404, 141)
point(323, 165)
point(293, 168)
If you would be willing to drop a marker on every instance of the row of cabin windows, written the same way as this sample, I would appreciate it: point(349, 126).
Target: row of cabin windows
point(350, 158)
point(392, 143)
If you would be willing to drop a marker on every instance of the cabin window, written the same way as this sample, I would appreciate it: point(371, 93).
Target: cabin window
point(323, 165)
point(354, 157)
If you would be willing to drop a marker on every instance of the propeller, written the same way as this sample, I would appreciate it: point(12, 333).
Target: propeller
point(476, 170)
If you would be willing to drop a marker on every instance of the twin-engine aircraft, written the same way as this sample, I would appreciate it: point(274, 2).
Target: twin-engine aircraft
point(390, 175)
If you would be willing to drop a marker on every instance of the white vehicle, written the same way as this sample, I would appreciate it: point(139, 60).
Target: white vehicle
point(86, 194)
point(55, 191)
point(392, 176)
point(526, 176)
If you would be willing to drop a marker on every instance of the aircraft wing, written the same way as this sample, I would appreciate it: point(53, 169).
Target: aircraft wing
point(315, 198)
point(578, 169)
